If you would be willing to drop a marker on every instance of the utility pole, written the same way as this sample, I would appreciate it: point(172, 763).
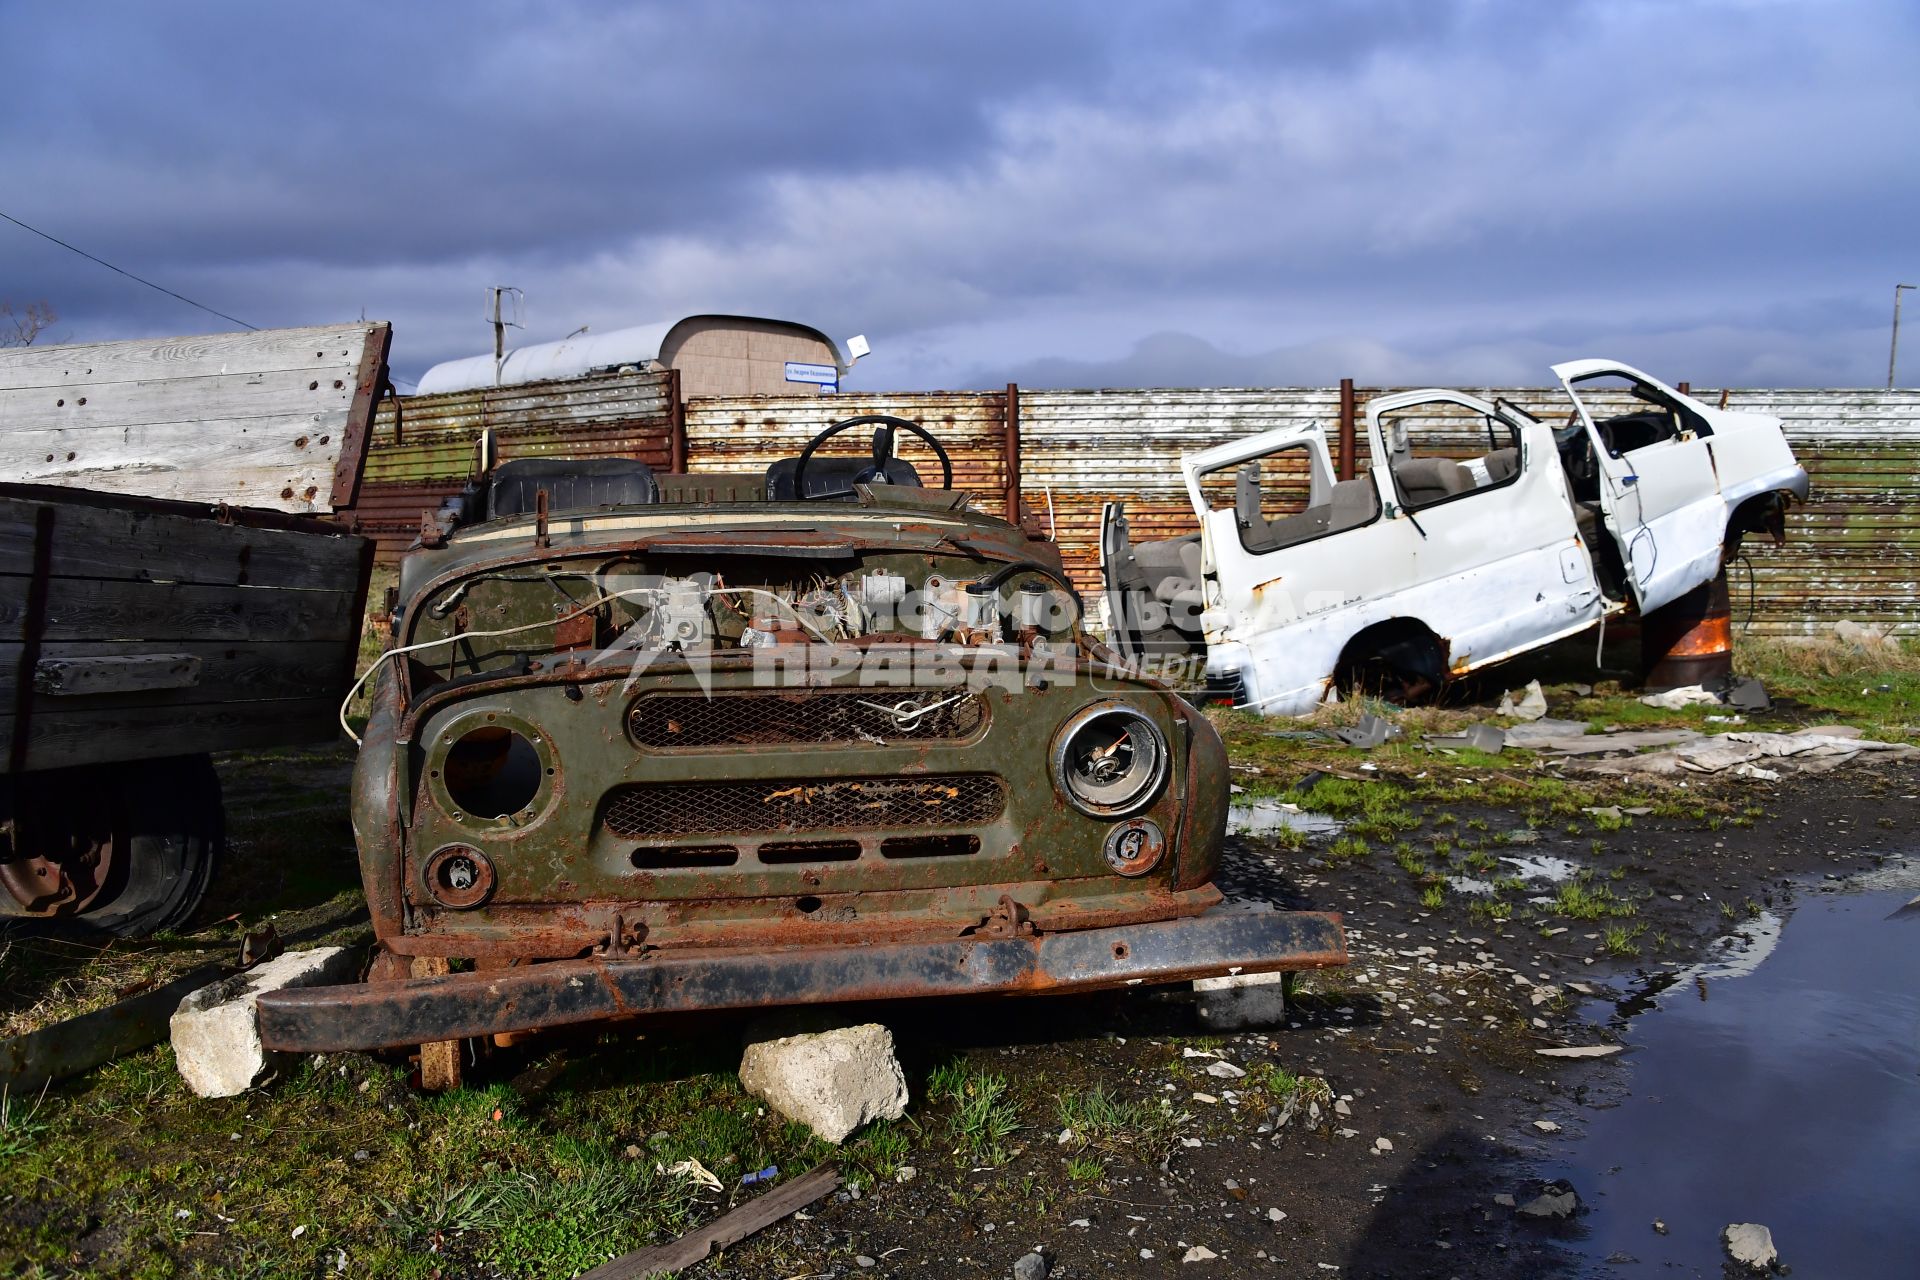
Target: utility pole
point(1893, 350)
point(500, 324)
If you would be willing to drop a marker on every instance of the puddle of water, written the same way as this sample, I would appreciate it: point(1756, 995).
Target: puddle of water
point(1780, 1084)
point(1541, 866)
point(1264, 817)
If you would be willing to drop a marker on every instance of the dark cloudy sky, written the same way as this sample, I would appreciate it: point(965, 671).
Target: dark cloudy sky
point(1059, 193)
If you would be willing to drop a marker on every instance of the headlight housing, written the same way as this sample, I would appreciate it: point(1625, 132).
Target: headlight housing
point(1110, 760)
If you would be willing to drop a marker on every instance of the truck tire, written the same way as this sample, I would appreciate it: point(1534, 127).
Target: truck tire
point(174, 833)
point(126, 848)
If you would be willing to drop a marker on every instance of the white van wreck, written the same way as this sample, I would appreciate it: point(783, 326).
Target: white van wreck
point(1480, 532)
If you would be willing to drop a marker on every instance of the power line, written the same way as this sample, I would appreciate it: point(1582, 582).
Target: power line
point(123, 271)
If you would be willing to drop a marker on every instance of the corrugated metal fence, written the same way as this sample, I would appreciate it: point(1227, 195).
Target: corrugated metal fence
point(1854, 552)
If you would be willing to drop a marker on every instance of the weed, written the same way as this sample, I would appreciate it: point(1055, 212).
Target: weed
point(1751, 907)
point(1482, 861)
point(1726, 911)
point(20, 1130)
point(1494, 912)
point(1576, 901)
point(1433, 897)
point(1445, 820)
point(1346, 847)
point(1622, 941)
point(1476, 824)
point(1618, 873)
point(573, 1218)
point(1085, 1169)
point(983, 1117)
point(1410, 862)
point(1611, 820)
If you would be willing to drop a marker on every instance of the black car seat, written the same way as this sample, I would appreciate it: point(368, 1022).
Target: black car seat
point(832, 477)
point(572, 484)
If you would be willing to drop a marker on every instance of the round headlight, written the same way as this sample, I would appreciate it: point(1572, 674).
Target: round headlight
point(1109, 761)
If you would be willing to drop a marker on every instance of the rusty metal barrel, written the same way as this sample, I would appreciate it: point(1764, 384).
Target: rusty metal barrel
point(1689, 641)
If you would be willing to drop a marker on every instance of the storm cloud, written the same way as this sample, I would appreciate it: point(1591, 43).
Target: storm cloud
point(1061, 194)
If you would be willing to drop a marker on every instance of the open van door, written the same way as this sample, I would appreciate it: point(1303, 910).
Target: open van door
point(1116, 556)
point(1659, 492)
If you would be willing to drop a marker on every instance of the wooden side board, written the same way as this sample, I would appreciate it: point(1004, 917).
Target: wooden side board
point(277, 419)
point(258, 615)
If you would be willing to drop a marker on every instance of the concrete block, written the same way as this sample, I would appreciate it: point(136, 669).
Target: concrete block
point(216, 1038)
point(832, 1081)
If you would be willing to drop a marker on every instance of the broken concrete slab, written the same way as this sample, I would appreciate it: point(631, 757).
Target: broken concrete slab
point(1748, 694)
point(1241, 1001)
point(833, 1081)
point(1616, 743)
point(216, 1037)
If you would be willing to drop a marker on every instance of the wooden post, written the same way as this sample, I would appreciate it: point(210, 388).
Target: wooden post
point(1346, 460)
point(676, 425)
point(1011, 442)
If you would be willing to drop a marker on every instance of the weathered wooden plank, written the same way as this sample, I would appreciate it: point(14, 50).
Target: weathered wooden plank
point(131, 542)
point(72, 677)
point(729, 1228)
point(148, 418)
point(59, 737)
point(227, 672)
point(155, 612)
point(315, 348)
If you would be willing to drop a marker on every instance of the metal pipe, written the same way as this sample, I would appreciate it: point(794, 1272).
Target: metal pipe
point(676, 425)
point(1347, 444)
point(1893, 349)
point(1011, 441)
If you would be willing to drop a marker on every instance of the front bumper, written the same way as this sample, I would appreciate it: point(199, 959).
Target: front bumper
point(1233, 939)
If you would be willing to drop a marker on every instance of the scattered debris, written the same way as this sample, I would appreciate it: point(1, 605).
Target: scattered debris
point(832, 1081)
point(216, 1038)
point(729, 1229)
point(1546, 1126)
point(1199, 1253)
point(1736, 753)
point(767, 1174)
point(1031, 1266)
point(1686, 695)
point(1581, 1051)
point(699, 1174)
point(1532, 704)
point(1480, 737)
point(1241, 1001)
point(1750, 1245)
point(1557, 1199)
point(1371, 731)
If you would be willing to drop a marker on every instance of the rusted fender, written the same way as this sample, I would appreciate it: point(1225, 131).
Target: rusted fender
point(421, 1010)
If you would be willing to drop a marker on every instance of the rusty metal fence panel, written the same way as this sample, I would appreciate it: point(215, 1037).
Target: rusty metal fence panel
point(1081, 449)
point(423, 447)
point(1853, 552)
point(749, 433)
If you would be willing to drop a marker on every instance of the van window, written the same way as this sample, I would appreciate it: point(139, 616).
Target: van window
point(1441, 450)
point(1273, 504)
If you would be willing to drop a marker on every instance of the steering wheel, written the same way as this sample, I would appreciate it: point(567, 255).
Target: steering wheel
point(882, 454)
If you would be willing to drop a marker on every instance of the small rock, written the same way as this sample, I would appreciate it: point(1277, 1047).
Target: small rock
point(1146, 1254)
point(1750, 1245)
point(1556, 1200)
point(862, 1260)
point(1275, 1215)
point(1340, 1108)
point(1659, 1227)
point(1504, 1200)
point(832, 1081)
point(1224, 1071)
point(1546, 1126)
point(905, 1173)
point(1199, 1253)
point(1033, 1266)
point(1082, 1223)
point(1382, 1145)
point(216, 1035)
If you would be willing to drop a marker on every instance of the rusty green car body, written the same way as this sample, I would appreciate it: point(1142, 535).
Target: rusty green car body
point(715, 751)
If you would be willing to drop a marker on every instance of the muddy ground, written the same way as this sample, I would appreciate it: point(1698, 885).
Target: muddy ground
point(1368, 1134)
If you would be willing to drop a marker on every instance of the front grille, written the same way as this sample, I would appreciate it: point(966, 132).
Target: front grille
point(818, 715)
point(837, 804)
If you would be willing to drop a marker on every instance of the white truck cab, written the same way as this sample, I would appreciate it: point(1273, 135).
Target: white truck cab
point(1479, 532)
